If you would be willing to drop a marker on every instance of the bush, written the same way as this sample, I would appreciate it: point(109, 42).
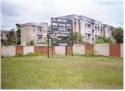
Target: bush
point(45, 42)
point(89, 53)
point(103, 40)
point(19, 55)
point(29, 54)
point(4, 42)
point(77, 37)
point(33, 54)
point(30, 43)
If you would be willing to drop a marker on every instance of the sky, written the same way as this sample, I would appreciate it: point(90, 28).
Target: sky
point(110, 12)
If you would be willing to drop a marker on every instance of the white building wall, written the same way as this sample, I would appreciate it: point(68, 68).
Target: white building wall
point(78, 49)
point(8, 51)
point(4, 35)
point(28, 49)
point(82, 27)
point(26, 35)
point(60, 50)
point(101, 49)
point(34, 34)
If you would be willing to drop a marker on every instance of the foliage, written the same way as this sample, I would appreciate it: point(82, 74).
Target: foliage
point(11, 38)
point(19, 55)
point(117, 34)
point(3, 42)
point(33, 54)
point(18, 34)
point(44, 42)
point(77, 37)
point(89, 53)
point(29, 54)
point(103, 40)
point(30, 43)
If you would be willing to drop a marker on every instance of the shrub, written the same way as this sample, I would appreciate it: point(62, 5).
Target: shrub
point(33, 54)
point(44, 42)
point(29, 54)
point(19, 55)
point(30, 43)
point(103, 40)
point(89, 53)
point(77, 37)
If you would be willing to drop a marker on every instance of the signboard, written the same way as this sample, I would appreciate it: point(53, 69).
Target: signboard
point(61, 32)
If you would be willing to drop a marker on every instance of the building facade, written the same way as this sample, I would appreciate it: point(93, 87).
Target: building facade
point(4, 34)
point(89, 28)
point(36, 32)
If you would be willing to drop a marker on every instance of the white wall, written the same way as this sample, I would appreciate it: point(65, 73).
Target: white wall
point(28, 49)
point(122, 49)
point(78, 49)
point(101, 49)
point(59, 49)
point(8, 51)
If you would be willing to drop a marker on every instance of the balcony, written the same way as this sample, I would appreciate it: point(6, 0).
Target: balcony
point(40, 33)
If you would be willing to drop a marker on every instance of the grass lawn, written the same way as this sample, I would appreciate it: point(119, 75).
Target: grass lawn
point(62, 72)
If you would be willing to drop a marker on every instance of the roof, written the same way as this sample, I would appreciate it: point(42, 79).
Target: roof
point(42, 24)
point(81, 17)
point(4, 31)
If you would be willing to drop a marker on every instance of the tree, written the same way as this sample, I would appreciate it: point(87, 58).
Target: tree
point(3, 42)
point(18, 34)
point(11, 38)
point(103, 40)
point(77, 37)
point(117, 34)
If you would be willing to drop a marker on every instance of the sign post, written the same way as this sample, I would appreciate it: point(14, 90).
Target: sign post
point(61, 33)
point(48, 45)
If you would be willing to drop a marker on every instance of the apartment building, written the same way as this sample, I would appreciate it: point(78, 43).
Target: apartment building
point(36, 32)
point(4, 34)
point(89, 28)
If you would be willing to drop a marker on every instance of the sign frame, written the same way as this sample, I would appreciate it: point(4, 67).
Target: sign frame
point(61, 34)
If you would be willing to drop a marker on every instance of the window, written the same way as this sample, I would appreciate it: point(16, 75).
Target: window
point(1, 35)
point(98, 28)
point(40, 30)
point(96, 36)
point(75, 24)
point(7, 35)
point(95, 28)
point(86, 35)
point(40, 38)
point(89, 36)
point(89, 25)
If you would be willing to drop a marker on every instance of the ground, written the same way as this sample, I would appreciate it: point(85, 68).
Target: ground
point(60, 72)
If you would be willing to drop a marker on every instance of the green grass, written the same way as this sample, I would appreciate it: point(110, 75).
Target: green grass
point(62, 72)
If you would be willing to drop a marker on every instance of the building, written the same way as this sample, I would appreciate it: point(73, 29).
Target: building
point(89, 28)
point(4, 34)
point(36, 32)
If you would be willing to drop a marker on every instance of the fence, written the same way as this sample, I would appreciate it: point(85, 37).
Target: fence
point(81, 49)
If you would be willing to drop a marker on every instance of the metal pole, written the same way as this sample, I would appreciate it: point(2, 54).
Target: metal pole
point(66, 50)
point(52, 51)
point(72, 50)
point(48, 48)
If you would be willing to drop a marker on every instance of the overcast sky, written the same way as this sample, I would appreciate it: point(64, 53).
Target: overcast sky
point(23, 11)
